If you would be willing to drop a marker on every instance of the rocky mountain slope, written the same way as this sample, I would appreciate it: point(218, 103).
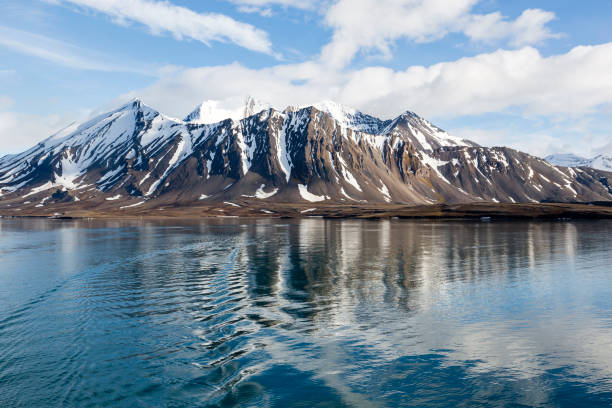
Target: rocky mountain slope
point(135, 156)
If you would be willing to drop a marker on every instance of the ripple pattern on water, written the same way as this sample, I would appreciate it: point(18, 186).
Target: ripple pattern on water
point(305, 313)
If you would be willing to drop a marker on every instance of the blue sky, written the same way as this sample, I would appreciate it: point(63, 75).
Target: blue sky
point(533, 75)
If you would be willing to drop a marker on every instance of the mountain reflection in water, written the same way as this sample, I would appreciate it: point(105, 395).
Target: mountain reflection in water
point(308, 312)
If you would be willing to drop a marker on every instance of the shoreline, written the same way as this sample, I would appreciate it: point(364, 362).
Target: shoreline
point(471, 211)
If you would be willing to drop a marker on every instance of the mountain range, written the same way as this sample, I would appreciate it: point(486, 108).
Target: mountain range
point(136, 156)
point(601, 161)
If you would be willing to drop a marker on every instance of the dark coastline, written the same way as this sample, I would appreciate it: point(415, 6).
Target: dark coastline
point(250, 209)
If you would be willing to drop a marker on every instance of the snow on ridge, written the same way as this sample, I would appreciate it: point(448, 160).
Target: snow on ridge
point(47, 186)
point(183, 150)
point(281, 150)
point(209, 112)
point(434, 163)
point(248, 146)
point(350, 118)
point(70, 170)
point(385, 191)
point(348, 176)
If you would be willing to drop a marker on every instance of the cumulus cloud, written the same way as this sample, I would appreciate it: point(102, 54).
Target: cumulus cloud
point(374, 25)
point(521, 81)
point(574, 83)
point(528, 29)
point(164, 17)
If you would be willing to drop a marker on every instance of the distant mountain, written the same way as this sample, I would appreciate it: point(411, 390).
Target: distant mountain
point(325, 152)
point(600, 162)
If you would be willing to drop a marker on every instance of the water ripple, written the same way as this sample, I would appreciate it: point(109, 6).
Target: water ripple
point(305, 313)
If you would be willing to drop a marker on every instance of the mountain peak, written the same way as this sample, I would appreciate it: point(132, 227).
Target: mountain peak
point(600, 162)
point(335, 109)
point(351, 118)
point(207, 112)
point(134, 103)
point(213, 111)
point(253, 106)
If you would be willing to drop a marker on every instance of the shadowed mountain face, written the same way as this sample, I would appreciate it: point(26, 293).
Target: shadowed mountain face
point(325, 152)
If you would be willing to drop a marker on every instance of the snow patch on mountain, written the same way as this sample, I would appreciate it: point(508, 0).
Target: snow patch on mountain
point(306, 195)
point(260, 193)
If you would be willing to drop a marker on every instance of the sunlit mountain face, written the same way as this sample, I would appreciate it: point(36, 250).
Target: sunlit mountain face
point(136, 156)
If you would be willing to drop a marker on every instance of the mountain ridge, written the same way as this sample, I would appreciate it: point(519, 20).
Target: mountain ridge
point(135, 155)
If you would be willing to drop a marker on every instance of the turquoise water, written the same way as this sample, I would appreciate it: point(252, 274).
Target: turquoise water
point(305, 313)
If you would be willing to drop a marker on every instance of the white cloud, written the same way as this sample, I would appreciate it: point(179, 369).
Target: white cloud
point(538, 143)
point(574, 83)
point(528, 29)
point(605, 149)
point(62, 53)
point(164, 17)
point(377, 24)
point(520, 82)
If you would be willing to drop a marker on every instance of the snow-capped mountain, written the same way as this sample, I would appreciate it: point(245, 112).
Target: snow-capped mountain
point(599, 162)
point(211, 111)
point(326, 152)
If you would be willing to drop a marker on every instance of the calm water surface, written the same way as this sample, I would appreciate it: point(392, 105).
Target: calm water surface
point(309, 313)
